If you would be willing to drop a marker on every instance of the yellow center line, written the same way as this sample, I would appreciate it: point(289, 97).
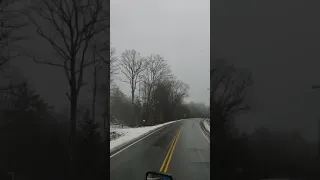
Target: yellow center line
point(165, 159)
point(168, 162)
point(169, 153)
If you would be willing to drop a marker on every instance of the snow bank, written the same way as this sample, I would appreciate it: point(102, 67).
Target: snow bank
point(207, 124)
point(117, 126)
point(128, 134)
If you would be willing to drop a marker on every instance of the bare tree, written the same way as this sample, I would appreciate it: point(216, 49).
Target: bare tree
point(168, 95)
point(132, 65)
point(10, 23)
point(229, 88)
point(156, 69)
point(178, 93)
point(179, 90)
point(228, 98)
point(75, 23)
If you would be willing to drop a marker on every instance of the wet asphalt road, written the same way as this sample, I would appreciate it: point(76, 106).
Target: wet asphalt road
point(190, 159)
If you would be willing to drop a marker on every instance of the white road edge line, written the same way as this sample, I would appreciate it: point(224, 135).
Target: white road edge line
point(135, 142)
point(203, 133)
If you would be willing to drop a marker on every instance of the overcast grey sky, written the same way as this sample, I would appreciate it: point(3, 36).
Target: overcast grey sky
point(279, 41)
point(179, 30)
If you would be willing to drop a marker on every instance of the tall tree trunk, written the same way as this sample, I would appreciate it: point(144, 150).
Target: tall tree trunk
point(94, 95)
point(133, 111)
point(132, 96)
point(72, 129)
point(148, 105)
point(73, 118)
point(147, 114)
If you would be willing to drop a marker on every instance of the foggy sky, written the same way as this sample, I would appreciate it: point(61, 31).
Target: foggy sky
point(280, 42)
point(179, 30)
point(149, 27)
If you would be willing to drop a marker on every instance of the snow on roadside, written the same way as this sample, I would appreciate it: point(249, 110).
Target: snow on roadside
point(207, 124)
point(128, 134)
point(117, 126)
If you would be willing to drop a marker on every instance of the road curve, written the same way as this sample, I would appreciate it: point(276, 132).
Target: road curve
point(181, 149)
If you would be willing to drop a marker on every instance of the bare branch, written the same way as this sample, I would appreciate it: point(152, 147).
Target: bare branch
point(132, 65)
point(8, 27)
point(156, 69)
point(229, 87)
point(45, 62)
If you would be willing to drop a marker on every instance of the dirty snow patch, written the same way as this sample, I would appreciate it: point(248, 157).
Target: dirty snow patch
point(207, 124)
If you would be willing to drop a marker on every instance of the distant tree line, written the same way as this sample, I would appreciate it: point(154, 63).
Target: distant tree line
point(157, 96)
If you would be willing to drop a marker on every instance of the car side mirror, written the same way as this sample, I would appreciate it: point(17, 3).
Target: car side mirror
point(158, 176)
